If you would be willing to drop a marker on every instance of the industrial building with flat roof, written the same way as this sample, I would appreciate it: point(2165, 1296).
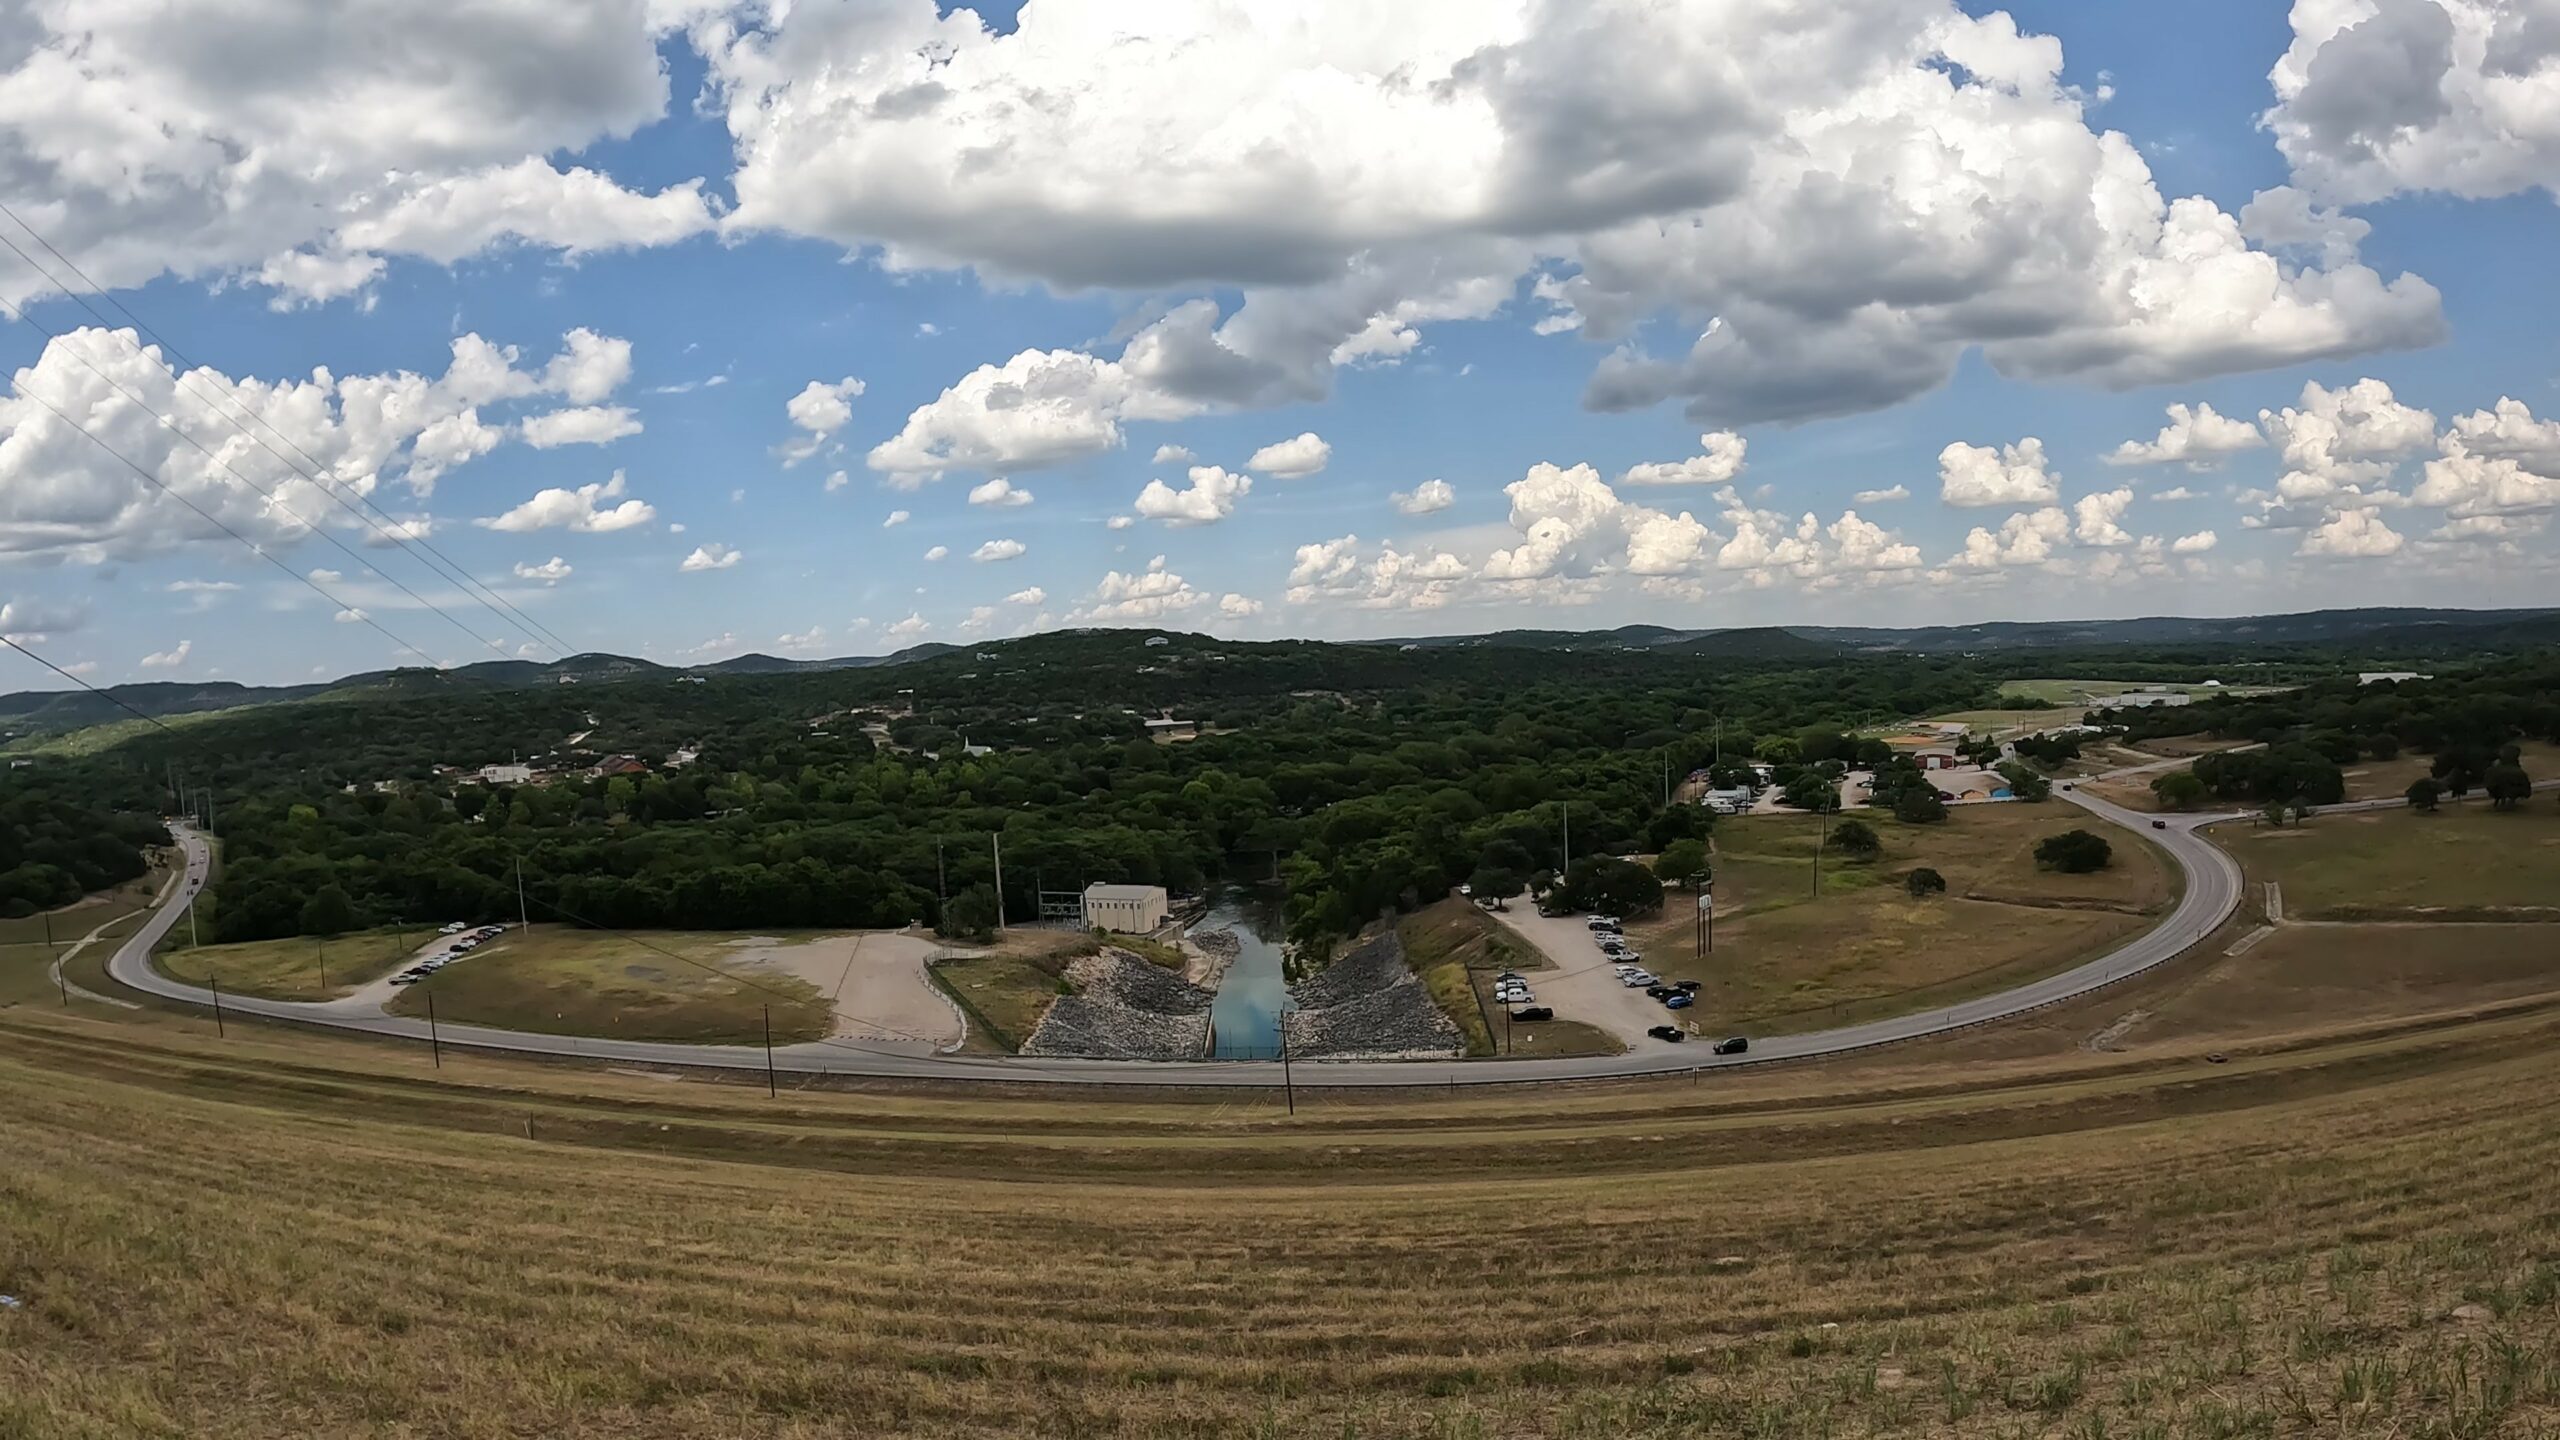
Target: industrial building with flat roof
point(1129, 909)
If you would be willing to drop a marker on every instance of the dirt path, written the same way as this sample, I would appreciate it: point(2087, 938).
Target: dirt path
point(876, 983)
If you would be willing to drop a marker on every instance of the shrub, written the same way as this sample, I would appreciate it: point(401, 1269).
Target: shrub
point(2074, 852)
point(1857, 840)
point(1924, 882)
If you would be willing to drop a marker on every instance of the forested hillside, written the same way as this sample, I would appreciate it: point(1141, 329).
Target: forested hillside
point(59, 839)
point(1368, 777)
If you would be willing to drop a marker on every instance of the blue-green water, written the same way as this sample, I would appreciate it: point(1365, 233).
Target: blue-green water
point(1246, 1014)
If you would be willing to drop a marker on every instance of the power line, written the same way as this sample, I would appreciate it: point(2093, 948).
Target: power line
point(107, 695)
point(180, 431)
point(449, 567)
point(207, 516)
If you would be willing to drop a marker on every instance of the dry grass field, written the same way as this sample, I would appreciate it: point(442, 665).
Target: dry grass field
point(2388, 864)
point(292, 1235)
point(676, 986)
point(1785, 960)
point(299, 968)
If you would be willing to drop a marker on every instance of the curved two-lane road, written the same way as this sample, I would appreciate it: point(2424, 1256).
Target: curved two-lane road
point(2212, 893)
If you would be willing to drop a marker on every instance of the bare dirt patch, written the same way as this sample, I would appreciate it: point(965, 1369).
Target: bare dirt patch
point(875, 983)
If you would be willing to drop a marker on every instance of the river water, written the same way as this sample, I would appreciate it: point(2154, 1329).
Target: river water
point(1246, 1013)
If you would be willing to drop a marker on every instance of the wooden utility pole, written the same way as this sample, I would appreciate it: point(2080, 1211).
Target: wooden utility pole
point(772, 1088)
point(435, 1047)
point(216, 983)
point(998, 842)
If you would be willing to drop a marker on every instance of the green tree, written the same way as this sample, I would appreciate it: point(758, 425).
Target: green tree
point(1495, 883)
point(2074, 852)
point(1682, 862)
point(328, 911)
point(1856, 839)
point(1809, 791)
point(2277, 812)
point(1924, 882)
point(2025, 783)
point(1919, 805)
point(2178, 790)
point(2506, 785)
point(1610, 885)
point(969, 915)
point(2424, 792)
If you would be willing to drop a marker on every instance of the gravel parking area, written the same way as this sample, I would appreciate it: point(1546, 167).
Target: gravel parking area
point(1583, 987)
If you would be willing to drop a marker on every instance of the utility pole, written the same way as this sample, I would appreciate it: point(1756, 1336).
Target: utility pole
point(771, 1087)
point(1288, 1086)
point(324, 962)
point(216, 983)
point(524, 917)
point(435, 1047)
point(998, 842)
point(193, 936)
point(1819, 845)
point(941, 885)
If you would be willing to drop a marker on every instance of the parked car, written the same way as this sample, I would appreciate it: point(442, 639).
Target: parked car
point(1667, 1032)
point(1509, 977)
point(1686, 986)
point(1732, 1045)
point(456, 928)
point(1678, 1000)
point(1636, 979)
point(1534, 1012)
point(1658, 991)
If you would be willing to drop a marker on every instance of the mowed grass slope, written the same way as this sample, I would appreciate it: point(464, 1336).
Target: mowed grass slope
point(2465, 860)
point(294, 968)
point(2369, 1253)
point(1786, 959)
point(665, 985)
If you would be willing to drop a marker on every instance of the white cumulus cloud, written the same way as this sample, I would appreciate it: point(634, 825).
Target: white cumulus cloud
point(577, 510)
point(713, 556)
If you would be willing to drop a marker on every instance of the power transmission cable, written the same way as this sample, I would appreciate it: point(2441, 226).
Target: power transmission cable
point(417, 545)
point(253, 547)
point(174, 428)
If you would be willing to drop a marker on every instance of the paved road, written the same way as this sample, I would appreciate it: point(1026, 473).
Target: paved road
point(2212, 893)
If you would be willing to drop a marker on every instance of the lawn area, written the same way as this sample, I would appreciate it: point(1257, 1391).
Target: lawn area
point(1785, 960)
point(1457, 949)
point(1007, 987)
point(2384, 864)
point(291, 968)
point(2385, 779)
point(560, 981)
point(2310, 977)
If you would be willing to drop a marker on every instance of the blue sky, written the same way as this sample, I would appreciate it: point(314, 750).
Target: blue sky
point(1901, 230)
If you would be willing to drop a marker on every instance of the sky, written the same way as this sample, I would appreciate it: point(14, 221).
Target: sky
point(351, 333)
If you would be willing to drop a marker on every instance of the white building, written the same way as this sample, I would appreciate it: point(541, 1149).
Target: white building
point(1728, 802)
point(2376, 677)
point(1129, 909)
point(2147, 699)
point(506, 774)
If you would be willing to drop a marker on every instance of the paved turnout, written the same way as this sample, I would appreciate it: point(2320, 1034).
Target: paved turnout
point(2212, 893)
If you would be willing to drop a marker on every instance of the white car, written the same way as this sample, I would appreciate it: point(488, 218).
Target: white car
point(456, 928)
point(1637, 979)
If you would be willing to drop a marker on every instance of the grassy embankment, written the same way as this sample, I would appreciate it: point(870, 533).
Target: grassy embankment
point(1786, 960)
point(666, 985)
point(2354, 1239)
point(2463, 862)
point(1007, 987)
point(291, 968)
point(1458, 950)
point(26, 955)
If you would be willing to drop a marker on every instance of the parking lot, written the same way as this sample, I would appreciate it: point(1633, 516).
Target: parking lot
point(1583, 987)
point(449, 945)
